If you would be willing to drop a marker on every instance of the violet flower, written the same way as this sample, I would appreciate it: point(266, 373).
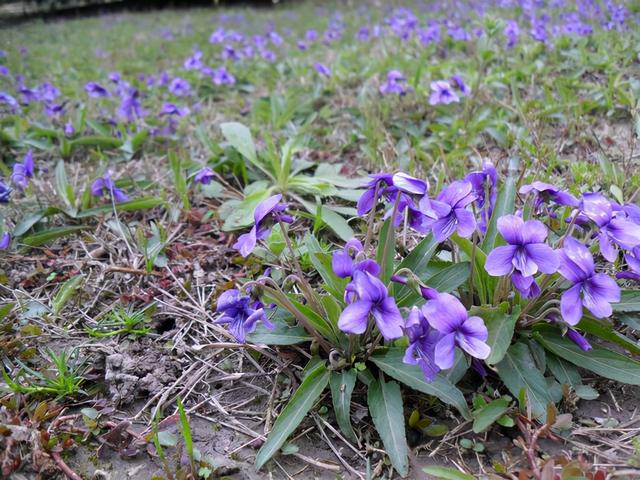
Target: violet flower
point(446, 314)
point(422, 344)
point(395, 83)
point(5, 192)
point(442, 94)
point(7, 99)
point(205, 175)
point(173, 109)
point(221, 76)
point(269, 208)
point(613, 230)
point(371, 298)
point(322, 69)
point(130, 107)
point(343, 265)
point(578, 339)
point(511, 31)
point(526, 252)
point(484, 188)
point(179, 87)
point(96, 90)
point(459, 84)
point(194, 62)
point(633, 261)
point(545, 192)
point(104, 185)
point(5, 241)
point(240, 314)
point(382, 182)
point(450, 209)
point(22, 172)
point(69, 130)
point(595, 291)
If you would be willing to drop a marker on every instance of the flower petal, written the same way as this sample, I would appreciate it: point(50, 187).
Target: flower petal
point(510, 227)
point(571, 305)
point(475, 327)
point(466, 222)
point(445, 353)
point(534, 231)
point(355, 316)
point(445, 313)
point(265, 207)
point(499, 261)
point(544, 256)
point(388, 319)
point(246, 242)
point(474, 346)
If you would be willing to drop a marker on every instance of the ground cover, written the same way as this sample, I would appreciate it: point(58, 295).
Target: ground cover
point(145, 247)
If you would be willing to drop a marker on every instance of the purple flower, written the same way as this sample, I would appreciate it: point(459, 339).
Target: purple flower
point(527, 252)
point(104, 185)
point(322, 69)
point(114, 77)
point(343, 264)
point(240, 313)
point(69, 131)
point(593, 290)
point(7, 99)
point(179, 87)
point(5, 192)
point(442, 94)
point(579, 340)
point(4, 71)
point(5, 241)
point(484, 188)
point(459, 84)
point(173, 109)
point(205, 175)
point(221, 76)
point(194, 62)
point(22, 172)
point(96, 90)
point(633, 261)
point(395, 83)
point(381, 182)
point(271, 207)
point(447, 315)
point(371, 298)
point(545, 192)
point(613, 230)
point(130, 107)
point(511, 31)
point(450, 210)
point(422, 344)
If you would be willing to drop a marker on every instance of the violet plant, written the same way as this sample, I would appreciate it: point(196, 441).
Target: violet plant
point(487, 277)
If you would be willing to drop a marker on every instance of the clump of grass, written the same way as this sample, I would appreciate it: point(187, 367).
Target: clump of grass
point(121, 321)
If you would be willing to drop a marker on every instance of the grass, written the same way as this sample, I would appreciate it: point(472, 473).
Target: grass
point(83, 271)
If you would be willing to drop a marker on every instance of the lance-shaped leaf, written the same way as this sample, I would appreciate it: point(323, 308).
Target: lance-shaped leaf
point(385, 405)
point(301, 402)
point(342, 384)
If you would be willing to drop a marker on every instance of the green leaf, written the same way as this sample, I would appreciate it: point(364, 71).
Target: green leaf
point(322, 263)
point(390, 362)
point(342, 384)
point(606, 330)
point(334, 220)
point(501, 326)
point(565, 372)
point(386, 250)
point(97, 141)
point(240, 138)
point(418, 260)
point(629, 302)
point(31, 219)
point(280, 335)
point(320, 324)
point(65, 293)
point(63, 188)
point(490, 413)
point(40, 238)
point(295, 411)
point(598, 360)
point(167, 439)
point(385, 405)
point(505, 204)
point(482, 282)
point(446, 473)
point(518, 372)
point(5, 310)
point(450, 277)
point(143, 203)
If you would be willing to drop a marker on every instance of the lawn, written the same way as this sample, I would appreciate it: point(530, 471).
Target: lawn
point(322, 240)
